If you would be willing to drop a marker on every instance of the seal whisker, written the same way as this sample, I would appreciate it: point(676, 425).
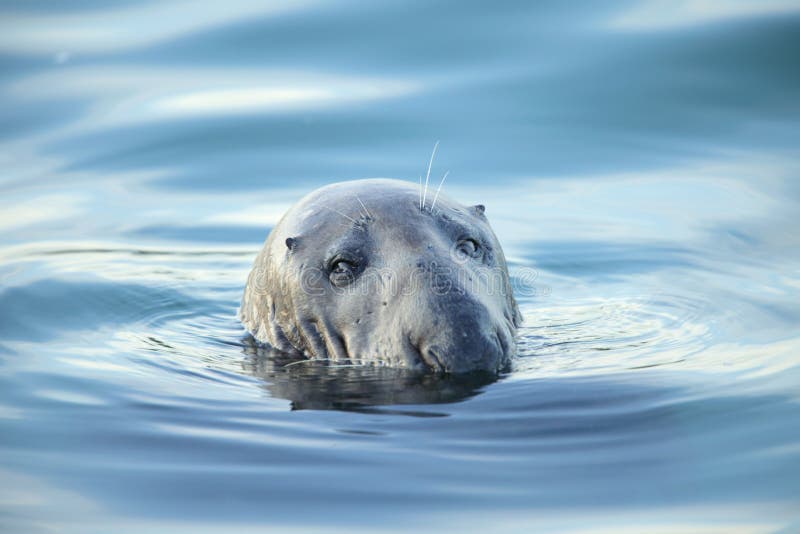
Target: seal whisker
point(342, 214)
point(298, 362)
point(420, 192)
point(428, 174)
point(433, 204)
point(352, 363)
point(363, 206)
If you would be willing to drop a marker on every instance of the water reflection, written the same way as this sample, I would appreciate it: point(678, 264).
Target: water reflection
point(323, 386)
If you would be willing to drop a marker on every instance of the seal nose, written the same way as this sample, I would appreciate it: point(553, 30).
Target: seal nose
point(430, 355)
point(454, 327)
point(473, 352)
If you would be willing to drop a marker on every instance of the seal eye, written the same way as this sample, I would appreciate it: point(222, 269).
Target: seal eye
point(469, 248)
point(342, 272)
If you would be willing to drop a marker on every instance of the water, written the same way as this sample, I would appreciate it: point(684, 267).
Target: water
point(641, 162)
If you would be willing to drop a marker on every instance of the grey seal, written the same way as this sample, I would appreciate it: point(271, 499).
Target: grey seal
point(371, 271)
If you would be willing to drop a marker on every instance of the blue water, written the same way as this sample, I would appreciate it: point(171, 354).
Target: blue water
point(638, 160)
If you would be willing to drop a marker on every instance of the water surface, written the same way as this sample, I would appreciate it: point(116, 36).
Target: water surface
point(639, 165)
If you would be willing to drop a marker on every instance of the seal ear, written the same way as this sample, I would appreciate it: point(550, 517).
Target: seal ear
point(291, 243)
point(478, 209)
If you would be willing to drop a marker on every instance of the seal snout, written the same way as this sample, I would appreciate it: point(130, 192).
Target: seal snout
point(456, 327)
point(459, 348)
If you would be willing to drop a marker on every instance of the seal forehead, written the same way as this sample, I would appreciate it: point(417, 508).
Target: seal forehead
point(386, 205)
point(355, 202)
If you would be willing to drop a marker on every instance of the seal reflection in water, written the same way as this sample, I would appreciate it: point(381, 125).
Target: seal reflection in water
point(323, 385)
point(371, 271)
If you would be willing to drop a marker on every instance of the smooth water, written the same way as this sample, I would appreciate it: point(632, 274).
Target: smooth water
point(638, 160)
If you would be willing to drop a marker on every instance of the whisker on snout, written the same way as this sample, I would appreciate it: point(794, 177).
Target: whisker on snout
point(339, 364)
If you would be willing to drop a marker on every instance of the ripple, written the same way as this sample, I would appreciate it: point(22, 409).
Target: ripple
point(613, 334)
point(52, 307)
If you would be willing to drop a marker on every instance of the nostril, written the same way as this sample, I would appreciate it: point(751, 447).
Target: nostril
point(431, 356)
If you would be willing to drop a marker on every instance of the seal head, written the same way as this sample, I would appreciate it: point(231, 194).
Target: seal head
point(360, 271)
